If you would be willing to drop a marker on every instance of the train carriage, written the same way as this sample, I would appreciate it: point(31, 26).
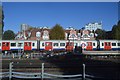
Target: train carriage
point(30, 45)
point(89, 45)
point(55, 45)
point(105, 44)
point(45, 45)
point(18, 45)
point(58, 45)
point(114, 45)
point(109, 45)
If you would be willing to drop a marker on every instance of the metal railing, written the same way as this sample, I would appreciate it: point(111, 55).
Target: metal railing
point(34, 75)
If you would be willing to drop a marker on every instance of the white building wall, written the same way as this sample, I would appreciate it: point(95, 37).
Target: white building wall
point(93, 26)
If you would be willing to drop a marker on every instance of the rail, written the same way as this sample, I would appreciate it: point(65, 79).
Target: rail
point(34, 75)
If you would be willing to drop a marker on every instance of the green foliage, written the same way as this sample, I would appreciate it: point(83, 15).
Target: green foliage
point(57, 33)
point(8, 35)
point(1, 21)
point(101, 34)
point(116, 31)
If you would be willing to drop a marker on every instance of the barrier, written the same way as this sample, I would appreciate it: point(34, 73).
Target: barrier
point(42, 74)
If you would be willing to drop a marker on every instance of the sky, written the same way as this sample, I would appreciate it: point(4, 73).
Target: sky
point(74, 14)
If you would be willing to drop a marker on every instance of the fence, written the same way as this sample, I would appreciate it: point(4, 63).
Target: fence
point(23, 75)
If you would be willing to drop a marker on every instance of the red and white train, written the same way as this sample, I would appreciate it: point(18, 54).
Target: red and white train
point(58, 45)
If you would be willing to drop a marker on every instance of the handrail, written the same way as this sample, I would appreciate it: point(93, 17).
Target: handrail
point(53, 75)
point(42, 74)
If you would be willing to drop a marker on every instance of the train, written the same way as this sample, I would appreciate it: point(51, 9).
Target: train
point(58, 45)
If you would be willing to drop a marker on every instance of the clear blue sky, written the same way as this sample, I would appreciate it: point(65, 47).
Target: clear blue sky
point(75, 14)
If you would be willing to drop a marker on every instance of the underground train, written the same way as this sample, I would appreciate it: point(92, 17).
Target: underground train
point(58, 45)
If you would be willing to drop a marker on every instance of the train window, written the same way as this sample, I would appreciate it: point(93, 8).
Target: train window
point(7, 44)
point(93, 44)
point(62, 44)
point(0, 44)
point(76, 44)
point(71, 44)
point(33, 44)
point(113, 44)
point(19, 44)
point(28, 44)
point(13, 44)
point(118, 44)
point(55, 44)
point(89, 43)
point(43, 44)
point(108, 44)
point(102, 44)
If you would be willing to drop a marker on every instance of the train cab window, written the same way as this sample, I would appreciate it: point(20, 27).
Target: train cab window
point(93, 44)
point(118, 44)
point(33, 44)
point(55, 44)
point(113, 44)
point(43, 44)
point(13, 44)
point(62, 44)
point(102, 44)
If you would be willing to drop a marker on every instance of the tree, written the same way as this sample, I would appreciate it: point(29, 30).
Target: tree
point(9, 35)
point(1, 22)
point(57, 33)
point(101, 34)
point(114, 28)
point(115, 31)
point(108, 35)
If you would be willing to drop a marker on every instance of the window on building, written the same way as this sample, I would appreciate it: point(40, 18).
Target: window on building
point(113, 44)
point(55, 44)
point(13, 44)
point(118, 44)
point(62, 44)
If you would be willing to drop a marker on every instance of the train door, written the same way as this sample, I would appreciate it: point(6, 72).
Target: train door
point(69, 46)
point(48, 46)
point(5, 46)
point(107, 45)
point(27, 46)
point(89, 46)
